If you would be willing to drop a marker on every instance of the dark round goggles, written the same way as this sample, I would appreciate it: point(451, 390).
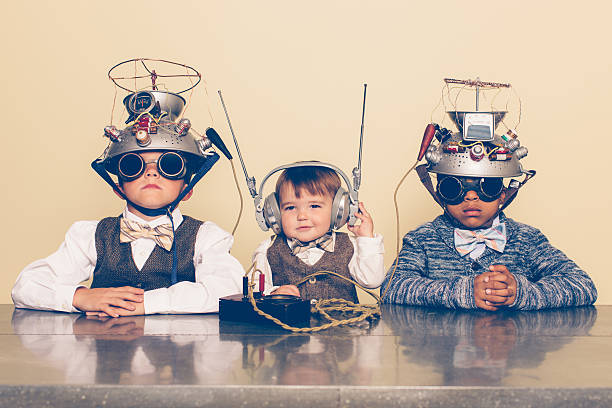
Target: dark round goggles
point(452, 190)
point(170, 165)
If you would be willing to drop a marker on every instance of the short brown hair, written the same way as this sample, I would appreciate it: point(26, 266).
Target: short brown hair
point(315, 179)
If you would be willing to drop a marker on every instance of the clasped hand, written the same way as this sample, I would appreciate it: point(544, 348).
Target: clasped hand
point(494, 288)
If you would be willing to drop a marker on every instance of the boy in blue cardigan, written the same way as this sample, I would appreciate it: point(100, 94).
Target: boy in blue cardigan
point(473, 256)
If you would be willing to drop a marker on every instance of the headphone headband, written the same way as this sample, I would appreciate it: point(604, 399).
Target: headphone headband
point(352, 192)
point(260, 203)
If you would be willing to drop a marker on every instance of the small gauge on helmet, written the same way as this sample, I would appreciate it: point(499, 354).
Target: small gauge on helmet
point(141, 102)
point(478, 127)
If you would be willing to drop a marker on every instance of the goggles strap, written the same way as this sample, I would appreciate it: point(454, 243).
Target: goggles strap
point(98, 166)
point(513, 189)
point(426, 180)
point(209, 161)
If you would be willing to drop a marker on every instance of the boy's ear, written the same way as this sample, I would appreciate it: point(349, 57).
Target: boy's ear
point(188, 195)
point(120, 189)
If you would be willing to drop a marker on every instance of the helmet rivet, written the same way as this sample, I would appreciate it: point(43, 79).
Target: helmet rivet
point(142, 138)
point(512, 144)
point(477, 152)
point(183, 127)
point(433, 156)
point(520, 152)
point(204, 144)
point(112, 133)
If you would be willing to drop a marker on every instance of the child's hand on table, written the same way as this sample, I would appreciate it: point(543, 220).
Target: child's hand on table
point(113, 302)
point(494, 288)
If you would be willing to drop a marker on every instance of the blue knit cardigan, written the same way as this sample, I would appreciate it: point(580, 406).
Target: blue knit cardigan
point(430, 271)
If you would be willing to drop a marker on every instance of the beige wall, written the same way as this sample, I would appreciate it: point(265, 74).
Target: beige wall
point(292, 74)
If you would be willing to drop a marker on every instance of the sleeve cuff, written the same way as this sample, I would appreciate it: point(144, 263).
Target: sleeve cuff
point(465, 299)
point(156, 301)
point(370, 245)
point(519, 299)
point(64, 296)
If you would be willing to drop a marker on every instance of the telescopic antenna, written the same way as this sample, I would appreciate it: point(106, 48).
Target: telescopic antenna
point(477, 91)
point(250, 180)
point(357, 170)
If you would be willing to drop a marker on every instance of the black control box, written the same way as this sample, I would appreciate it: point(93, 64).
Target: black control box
point(291, 310)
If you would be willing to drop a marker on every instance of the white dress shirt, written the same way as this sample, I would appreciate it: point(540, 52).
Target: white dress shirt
point(50, 283)
point(366, 265)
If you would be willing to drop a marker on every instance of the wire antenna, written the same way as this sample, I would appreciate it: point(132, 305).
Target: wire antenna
point(357, 170)
point(250, 180)
point(478, 84)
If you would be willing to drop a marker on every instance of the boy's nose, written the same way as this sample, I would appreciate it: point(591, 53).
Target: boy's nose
point(471, 196)
point(151, 170)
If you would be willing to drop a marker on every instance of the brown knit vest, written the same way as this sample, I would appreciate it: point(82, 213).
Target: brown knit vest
point(115, 266)
point(288, 269)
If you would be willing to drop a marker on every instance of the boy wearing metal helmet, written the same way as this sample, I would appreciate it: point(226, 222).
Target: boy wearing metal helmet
point(151, 258)
point(473, 256)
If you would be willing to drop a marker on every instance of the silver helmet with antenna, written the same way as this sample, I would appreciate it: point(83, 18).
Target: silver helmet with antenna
point(475, 150)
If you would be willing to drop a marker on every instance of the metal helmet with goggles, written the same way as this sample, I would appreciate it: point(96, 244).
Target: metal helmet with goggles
point(155, 123)
point(473, 158)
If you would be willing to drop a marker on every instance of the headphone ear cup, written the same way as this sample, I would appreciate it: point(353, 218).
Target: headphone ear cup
point(271, 213)
point(340, 209)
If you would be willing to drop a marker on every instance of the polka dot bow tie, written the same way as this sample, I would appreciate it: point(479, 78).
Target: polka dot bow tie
point(163, 235)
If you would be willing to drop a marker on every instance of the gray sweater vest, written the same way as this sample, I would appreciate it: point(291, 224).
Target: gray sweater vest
point(288, 269)
point(115, 266)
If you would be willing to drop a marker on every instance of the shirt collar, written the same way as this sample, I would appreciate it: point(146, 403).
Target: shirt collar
point(177, 218)
point(292, 242)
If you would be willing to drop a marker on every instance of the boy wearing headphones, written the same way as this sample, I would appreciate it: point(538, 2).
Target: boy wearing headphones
point(308, 199)
point(473, 256)
point(151, 258)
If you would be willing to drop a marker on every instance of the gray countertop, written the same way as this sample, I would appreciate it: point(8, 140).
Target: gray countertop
point(410, 357)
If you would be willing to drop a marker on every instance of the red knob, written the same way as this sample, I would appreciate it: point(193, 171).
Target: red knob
point(430, 131)
point(262, 280)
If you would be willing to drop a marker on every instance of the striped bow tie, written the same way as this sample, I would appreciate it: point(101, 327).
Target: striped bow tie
point(467, 241)
point(325, 242)
point(163, 235)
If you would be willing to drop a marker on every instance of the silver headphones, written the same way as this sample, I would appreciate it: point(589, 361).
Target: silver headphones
point(344, 205)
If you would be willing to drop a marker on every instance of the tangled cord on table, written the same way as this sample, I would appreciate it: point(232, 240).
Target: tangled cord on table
point(323, 307)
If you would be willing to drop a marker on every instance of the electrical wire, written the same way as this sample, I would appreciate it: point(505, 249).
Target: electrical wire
point(113, 109)
point(397, 230)
point(323, 307)
point(240, 195)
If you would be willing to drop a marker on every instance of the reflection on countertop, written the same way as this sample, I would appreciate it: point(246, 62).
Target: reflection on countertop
point(477, 348)
point(460, 348)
